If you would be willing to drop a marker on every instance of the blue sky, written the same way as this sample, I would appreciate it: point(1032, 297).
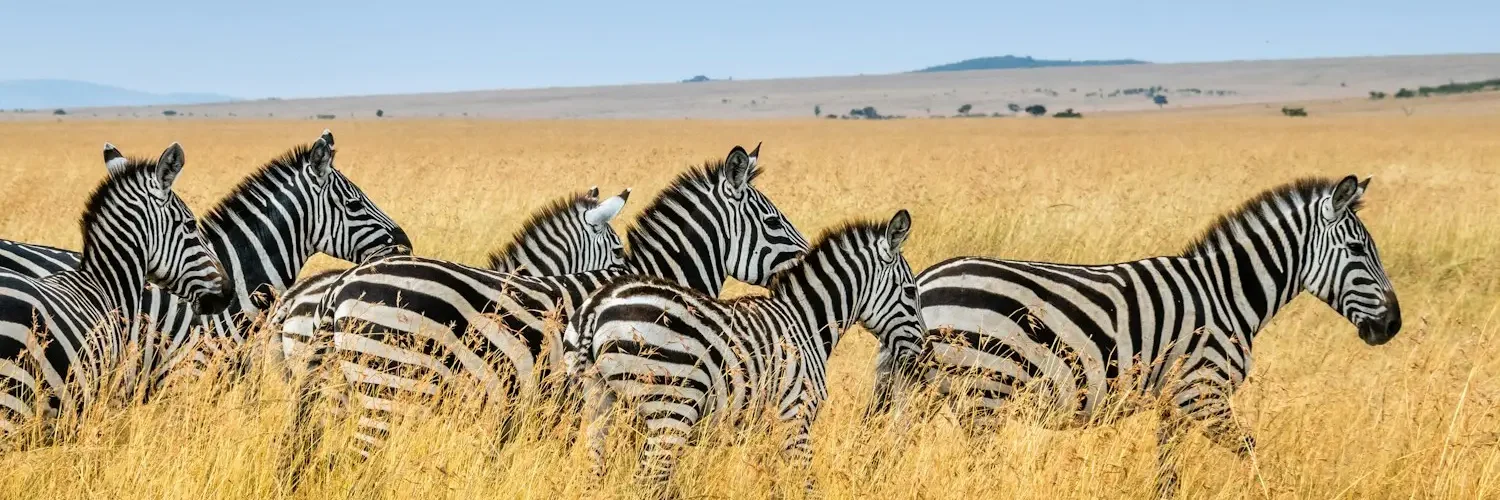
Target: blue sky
point(334, 47)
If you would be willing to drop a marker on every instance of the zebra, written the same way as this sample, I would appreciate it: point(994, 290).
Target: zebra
point(63, 336)
point(1105, 341)
point(264, 231)
point(570, 235)
point(490, 327)
point(685, 357)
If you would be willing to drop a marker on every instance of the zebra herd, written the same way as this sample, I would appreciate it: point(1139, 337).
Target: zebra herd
point(567, 313)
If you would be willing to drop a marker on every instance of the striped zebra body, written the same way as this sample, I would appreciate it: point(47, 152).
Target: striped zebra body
point(683, 357)
point(264, 232)
point(64, 335)
point(406, 326)
point(568, 236)
point(1102, 342)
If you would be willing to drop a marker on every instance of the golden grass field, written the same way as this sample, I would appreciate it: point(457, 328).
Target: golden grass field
point(1334, 418)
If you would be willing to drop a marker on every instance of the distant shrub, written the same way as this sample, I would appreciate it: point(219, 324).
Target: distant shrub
point(1405, 93)
point(1461, 87)
point(1376, 95)
point(964, 110)
point(1036, 110)
point(1160, 100)
point(60, 111)
point(857, 112)
point(699, 78)
point(831, 116)
point(168, 112)
point(379, 113)
point(1067, 113)
point(817, 110)
point(326, 117)
point(1013, 107)
point(870, 112)
point(1293, 111)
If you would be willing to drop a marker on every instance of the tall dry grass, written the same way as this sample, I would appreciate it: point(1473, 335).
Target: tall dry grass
point(1334, 418)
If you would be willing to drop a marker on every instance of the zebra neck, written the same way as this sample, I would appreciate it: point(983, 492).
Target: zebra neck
point(258, 248)
point(822, 305)
point(119, 271)
point(1249, 282)
point(691, 254)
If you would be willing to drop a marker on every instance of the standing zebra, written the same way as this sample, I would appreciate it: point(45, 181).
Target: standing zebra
point(63, 335)
point(571, 235)
point(403, 321)
point(264, 231)
point(684, 357)
point(1176, 328)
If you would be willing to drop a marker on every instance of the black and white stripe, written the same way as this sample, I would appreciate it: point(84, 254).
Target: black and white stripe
point(570, 235)
point(264, 233)
point(407, 325)
point(61, 336)
point(682, 357)
point(1091, 339)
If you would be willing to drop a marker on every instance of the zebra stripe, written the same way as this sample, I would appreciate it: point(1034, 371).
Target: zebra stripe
point(1180, 328)
point(401, 322)
point(570, 235)
point(684, 357)
point(264, 231)
point(62, 336)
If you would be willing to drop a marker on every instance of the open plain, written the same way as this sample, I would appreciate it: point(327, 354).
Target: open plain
point(1334, 418)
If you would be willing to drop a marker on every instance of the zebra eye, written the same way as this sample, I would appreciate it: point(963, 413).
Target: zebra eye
point(1356, 249)
point(354, 205)
point(190, 225)
point(774, 224)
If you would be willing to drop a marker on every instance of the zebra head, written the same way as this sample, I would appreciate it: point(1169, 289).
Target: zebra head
point(762, 242)
point(176, 256)
point(353, 228)
point(570, 236)
point(1345, 270)
point(890, 310)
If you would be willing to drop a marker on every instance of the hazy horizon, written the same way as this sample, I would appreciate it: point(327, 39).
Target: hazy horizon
point(340, 48)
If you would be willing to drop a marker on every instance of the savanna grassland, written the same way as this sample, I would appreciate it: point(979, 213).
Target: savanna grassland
point(1334, 418)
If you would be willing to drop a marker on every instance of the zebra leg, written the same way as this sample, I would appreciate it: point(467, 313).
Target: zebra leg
point(598, 400)
point(798, 448)
point(303, 432)
point(1168, 434)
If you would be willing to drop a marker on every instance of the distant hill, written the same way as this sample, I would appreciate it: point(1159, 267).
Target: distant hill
point(44, 94)
point(1013, 62)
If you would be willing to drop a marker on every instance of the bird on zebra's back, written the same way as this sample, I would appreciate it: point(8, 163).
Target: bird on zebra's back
point(403, 327)
point(264, 232)
point(1171, 334)
point(67, 337)
point(569, 235)
point(681, 358)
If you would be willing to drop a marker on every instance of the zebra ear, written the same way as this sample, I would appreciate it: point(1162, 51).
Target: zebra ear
point(328, 138)
point(1363, 185)
point(320, 159)
point(1346, 194)
point(594, 192)
point(737, 168)
point(607, 209)
point(755, 157)
point(897, 231)
point(114, 160)
point(167, 168)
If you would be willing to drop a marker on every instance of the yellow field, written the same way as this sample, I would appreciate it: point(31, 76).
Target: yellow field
point(1418, 417)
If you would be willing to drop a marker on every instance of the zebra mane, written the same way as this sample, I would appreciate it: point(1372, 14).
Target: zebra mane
point(291, 160)
point(100, 195)
point(556, 209)
point(830, 240)
point(1298, 191)
point(695, 179)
